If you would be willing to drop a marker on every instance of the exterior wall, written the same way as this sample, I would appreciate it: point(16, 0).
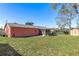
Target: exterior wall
point(74, 32)
point(7, 31)
point(22, 32)
point(43, 32)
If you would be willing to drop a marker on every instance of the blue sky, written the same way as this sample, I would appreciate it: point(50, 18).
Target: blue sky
point(39, 13)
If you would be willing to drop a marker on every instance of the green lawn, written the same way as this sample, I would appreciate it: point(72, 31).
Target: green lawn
point(38, 45)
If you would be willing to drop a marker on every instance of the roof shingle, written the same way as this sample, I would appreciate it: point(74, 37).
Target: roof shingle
point(25, 26)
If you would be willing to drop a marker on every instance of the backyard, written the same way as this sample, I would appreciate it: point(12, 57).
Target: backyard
point(40, 46)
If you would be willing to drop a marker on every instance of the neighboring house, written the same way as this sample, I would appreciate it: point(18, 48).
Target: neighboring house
point(2, 32)
point(74, 31)
point(20, 30)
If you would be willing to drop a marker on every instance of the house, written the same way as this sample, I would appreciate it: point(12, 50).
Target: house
point(74, 32)
point(21, 30)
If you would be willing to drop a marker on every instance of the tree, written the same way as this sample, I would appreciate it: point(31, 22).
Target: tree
point(29, 23)
point(76, 7)
point(78, 24)
point(67, 13)
point(60, 22)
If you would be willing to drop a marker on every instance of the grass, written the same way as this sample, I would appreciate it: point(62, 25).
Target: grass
point(44, 46)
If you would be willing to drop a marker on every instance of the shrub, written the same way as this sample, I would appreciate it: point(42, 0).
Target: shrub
point(52, 34)
point(66, 32)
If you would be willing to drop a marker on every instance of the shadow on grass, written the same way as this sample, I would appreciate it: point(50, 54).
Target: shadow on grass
point(7, 50)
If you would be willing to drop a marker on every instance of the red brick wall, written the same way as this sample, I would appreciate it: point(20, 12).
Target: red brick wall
point(16, 31)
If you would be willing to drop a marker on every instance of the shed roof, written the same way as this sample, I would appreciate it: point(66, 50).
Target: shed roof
point(25, 26)
point(74, 28)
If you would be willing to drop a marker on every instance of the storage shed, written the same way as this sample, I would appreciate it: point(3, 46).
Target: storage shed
point(74, 32)
point(21, 30)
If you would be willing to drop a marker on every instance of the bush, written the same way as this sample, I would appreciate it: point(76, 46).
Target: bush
point(52, 34)
point(4, 35)
point(66, 32)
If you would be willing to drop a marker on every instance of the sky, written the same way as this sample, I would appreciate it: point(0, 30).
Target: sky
point(41, 14)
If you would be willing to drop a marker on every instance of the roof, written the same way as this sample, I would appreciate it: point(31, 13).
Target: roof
point(53, 28)
point(25, 26)
point(74, 28)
